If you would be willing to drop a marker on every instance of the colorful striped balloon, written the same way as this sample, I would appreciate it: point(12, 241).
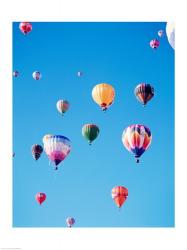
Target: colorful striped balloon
point(36, 75)
point(70, 221)
point(144, 92)
point(62, 106)
point(119, 195)
point(57, 147)
point(136, 139)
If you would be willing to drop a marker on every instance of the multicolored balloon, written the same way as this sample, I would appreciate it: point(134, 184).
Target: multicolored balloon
point(36, 75)
point(62, 106)
point(40, 197)
point(119, 195)
point(25, 27)
point(144, 92)
point(137, 139)
point(90, 132)
point(70, 221)
point(170, 31)
point(154, 44)
point(57, 147)
point(15, 73)
point(36, 151)
point(160, 33)
point(103, 94)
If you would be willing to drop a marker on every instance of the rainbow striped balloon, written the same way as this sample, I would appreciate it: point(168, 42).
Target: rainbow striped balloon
point(136, 139)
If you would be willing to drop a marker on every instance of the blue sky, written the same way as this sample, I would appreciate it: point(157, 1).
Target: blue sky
point(115, 53)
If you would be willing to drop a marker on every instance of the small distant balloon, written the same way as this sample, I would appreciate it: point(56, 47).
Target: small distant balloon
point(170, 31)
point(13, 154)
point(79, 73)
point(70, 221)
point(160, 33)
point(36, 151)
point(62, 106)
point(119, 195)
point(40, 197)
point(36, 75)
point(144, 93)
point(15, 73)
point(154, 44)
point(25, 27)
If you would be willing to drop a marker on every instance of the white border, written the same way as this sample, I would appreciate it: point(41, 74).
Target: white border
point(128, 238)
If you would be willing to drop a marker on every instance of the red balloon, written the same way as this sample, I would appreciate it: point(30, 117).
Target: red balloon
point(154, 43)
point(40, 197)
point(25, 27)
point(119, 195)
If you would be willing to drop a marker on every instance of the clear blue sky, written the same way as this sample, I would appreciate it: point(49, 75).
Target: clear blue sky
point(115, 53)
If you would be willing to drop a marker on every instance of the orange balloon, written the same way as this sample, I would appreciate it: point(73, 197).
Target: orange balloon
point(119, 194)
point(103, 94)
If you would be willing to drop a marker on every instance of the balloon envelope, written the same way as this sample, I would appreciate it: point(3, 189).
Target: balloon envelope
point(36, 151)
point(90, 132)
point(62, 106)
point(160, 33)
point(79, 73)
point(70, 221)
point(57, 147)
point(25, 27)
point(15, 73)
point(170, 31)
point(144, 92)
point(154, 44)
point(119, 195)
point(103, 94)
point(36, 75)
point(136, 139)
point(40, 197)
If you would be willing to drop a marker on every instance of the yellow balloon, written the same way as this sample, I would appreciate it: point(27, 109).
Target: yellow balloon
point(103, 94)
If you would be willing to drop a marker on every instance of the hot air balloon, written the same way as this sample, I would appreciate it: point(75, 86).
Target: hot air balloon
point(119, 195)
point(62, 106)
point(36, 75)
point(25, 27)
point(136, 138)
point(57, 147)
point(154, 44)
point(90, 132)
point(144, 92)
point(40, 197)
point(103, 94)
point(36, 151)
point(15, 73)
point(70, 221)
point(160, 33)
point(79, 73)
point(13, 154)
point(170, 31)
